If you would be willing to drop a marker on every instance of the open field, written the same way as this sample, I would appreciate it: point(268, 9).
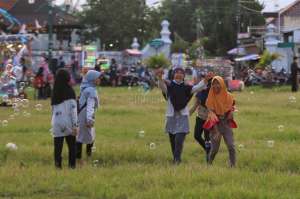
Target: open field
point(126, 166)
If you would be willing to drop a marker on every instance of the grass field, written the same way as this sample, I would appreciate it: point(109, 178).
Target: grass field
point(125, 166)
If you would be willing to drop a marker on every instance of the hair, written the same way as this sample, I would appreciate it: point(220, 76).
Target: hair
point(62, 90)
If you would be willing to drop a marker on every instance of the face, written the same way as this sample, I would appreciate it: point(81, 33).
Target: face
point(216, 87)
point(179, 76)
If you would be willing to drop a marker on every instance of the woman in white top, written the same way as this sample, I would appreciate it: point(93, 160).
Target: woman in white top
point(64, 118)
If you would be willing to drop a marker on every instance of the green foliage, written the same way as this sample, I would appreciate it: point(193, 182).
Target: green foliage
point(266, 59)
point(158, 61)
point(179, 45)
point(115, 22)
point(194, 49)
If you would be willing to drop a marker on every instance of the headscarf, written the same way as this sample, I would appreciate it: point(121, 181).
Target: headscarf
point(89, 79)
point(220, 103)
point(88, 87)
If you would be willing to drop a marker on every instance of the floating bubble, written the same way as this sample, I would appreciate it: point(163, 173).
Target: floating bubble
point(141, 134)
point(5, 98)
point(292, 99)
point(241, 146)
point(280, 128)
point(95, 163)
point(22, 84)
point(15, 105)
point(152, 146)
point(4, 123)
point(38, 107)
point(26, 114)
point(270, 143)
point(25, 103)
point(11, 117)
point(11, 146)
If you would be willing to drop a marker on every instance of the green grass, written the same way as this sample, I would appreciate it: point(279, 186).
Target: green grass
point(128, 168)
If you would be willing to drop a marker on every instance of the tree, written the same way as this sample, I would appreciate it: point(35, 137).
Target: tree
point(218, 19)
point(115, 22)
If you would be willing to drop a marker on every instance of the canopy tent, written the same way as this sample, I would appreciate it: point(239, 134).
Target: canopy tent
point(237, 51)
point(133, 52)
point(251, 57)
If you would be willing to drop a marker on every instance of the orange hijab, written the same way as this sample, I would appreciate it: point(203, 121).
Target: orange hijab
point(220, 103)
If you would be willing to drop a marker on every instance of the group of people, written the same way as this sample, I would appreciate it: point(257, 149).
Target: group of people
point(73, 118)
point(214, 104)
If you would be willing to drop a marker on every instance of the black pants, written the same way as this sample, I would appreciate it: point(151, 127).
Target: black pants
point(58, 146)
point(198, 134)
point(295, 84)
point(79, 150)
point(177, 141)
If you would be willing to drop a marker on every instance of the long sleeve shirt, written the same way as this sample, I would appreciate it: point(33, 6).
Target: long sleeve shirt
point(170, 109)
point(64, 118)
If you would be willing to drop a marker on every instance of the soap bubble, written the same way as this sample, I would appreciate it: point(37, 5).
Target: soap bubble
point(15, 105)
point(4, 123)
point(26, 114)
point(152, 146)
point(22, 84)
point(95, 163)
point(11, 146)
point(25, 103)
point(5, 98)
point(270, 143)
point(292, 99)
point(280, 128)
point(38, 107)
point(141, 134)
point(11, 117)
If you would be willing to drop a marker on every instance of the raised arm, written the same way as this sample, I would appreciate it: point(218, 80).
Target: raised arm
point(199, 87)
point(161, 83)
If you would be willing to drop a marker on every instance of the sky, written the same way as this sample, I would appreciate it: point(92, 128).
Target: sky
point(149, 2)
point(270, 4)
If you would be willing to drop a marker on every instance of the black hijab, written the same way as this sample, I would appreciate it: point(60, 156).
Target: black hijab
point(62, 90)
point(180, 94)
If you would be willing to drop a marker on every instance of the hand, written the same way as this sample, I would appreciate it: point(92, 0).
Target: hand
point(75, 131)
point(159, 73)
point(209, 76)
point(89, 125)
